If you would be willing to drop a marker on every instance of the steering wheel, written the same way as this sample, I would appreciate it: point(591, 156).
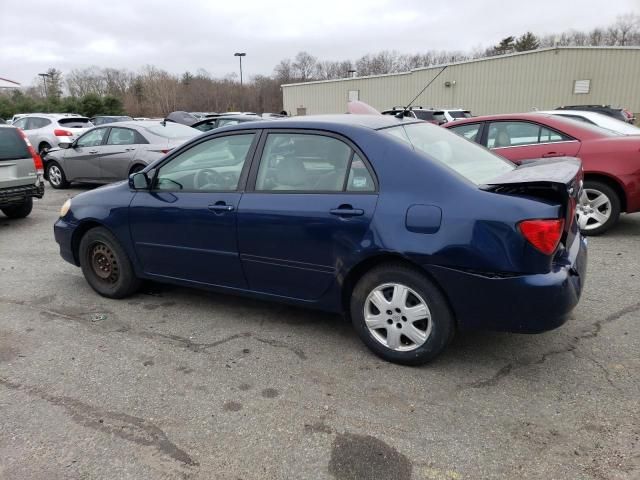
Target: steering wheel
point(207, 176)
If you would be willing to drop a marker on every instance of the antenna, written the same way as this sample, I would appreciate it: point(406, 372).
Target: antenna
point(406, 109)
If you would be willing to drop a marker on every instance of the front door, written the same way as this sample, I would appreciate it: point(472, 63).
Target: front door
point(184, 228)
point(82, 162)
point(118, 152)
point(313, 200)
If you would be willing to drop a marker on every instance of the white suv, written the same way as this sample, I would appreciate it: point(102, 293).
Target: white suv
point(46, 130)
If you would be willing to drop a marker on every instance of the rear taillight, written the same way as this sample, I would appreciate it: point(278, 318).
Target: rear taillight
point(62, 133)
point(37, 161)
point(544, 234)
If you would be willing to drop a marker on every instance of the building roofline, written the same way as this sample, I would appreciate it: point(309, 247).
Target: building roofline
point(473, 60)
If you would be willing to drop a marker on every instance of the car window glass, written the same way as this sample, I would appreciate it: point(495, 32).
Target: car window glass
point(468, 131)
point(38, 122)
point(206, 126)
point(360, 179)
point(512, 134)
point(92, 138)
point(227, 121)
point(121, 136)
point(22, 123)
point(211, 166)
point(303, 162)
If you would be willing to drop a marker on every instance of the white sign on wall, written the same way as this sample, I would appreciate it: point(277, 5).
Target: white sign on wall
point(354, 95)
point(581, 86)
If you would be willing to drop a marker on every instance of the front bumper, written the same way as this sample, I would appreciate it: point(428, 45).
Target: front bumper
point(519, 304)
point(17, 195)
point(63, 233)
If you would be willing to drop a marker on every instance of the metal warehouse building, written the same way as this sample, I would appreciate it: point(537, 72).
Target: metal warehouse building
point(518, 82)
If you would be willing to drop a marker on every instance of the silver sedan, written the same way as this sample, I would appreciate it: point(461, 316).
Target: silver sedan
point(112, 152)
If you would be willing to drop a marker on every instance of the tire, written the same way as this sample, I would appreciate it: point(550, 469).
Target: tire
point(43, 149)
point(19, 211)
point(105, 265)
point(599, 209)
point(55, 175)
point(136, 169)
point(437, 328)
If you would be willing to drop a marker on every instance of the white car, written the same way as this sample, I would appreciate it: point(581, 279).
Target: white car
point(47, 130)
point(598, 119)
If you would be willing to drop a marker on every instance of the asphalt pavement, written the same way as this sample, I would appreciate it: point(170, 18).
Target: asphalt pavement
point(179, 383)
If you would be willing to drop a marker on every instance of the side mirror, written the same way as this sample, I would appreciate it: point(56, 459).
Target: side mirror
point(65, 145)
point(139, 181)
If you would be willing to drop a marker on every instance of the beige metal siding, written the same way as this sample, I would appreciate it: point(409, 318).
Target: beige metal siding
point(542, 79)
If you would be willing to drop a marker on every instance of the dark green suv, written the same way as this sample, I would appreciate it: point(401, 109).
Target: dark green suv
point(21, 173)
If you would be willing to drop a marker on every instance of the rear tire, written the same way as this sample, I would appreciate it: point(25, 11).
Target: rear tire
point(600, 208)
point(43, 149)
point(105, 264)
point(19, 211)
point(136, 169)
point(55, 175)
point(413, 324)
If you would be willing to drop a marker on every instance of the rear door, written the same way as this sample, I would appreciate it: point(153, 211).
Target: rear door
point(309, 202)
point(16, 164)
point(118, 152)
point(520, 140)
point(82, 162)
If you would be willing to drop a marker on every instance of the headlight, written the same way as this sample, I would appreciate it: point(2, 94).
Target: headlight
point(65, 208)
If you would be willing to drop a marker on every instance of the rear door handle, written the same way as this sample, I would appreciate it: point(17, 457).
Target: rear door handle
point(347, 212)
point(221, 207)
point(93, 151)
point(553, 154)
point(129, 149)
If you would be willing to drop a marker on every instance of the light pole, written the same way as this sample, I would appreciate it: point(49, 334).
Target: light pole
point(240, 55)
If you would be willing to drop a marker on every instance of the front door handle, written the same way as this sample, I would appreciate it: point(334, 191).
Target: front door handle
point(346, 211)
point(93, 151)
point(553, 154)
point(129, 149)
point(221, 207)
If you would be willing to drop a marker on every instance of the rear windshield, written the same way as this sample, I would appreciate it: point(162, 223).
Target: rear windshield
point(172, 130)
point(459, 114)
point(459, 154)
point(429, 115)
point(12, 145)
point(75, 122)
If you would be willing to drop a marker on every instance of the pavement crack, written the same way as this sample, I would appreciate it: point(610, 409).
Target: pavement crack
point(278, 344)
point(571, 347)
point(122, 425)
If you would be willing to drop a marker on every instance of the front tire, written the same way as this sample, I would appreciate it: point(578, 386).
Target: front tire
point(599, 208)
point(43, 149)
point(105, 264)
point(19, 211)
point(401, 315)
point(55, 175)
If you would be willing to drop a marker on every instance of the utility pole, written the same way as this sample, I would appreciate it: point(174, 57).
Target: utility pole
point(46, 94)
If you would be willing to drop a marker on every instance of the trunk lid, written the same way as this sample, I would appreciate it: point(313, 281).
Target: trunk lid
point(557, 180)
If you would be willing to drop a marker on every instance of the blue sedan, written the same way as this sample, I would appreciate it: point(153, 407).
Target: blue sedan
point(408, 229)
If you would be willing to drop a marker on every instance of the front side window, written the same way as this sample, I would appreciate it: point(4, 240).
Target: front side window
point(121, 136)
point(468, 130)
point(513, 134)
point(22, 123)
point(466, 158)
point(92, 139)
point(303, 163)
point(211, 166)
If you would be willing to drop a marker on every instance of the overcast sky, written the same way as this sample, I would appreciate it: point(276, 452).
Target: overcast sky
point(182, 35)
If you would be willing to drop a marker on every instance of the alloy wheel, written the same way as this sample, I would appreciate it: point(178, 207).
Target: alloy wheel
point(594, 209)
point(397, 317)
point(55, 175)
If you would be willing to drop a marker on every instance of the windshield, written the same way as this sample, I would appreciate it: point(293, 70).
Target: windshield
point(459, 114)
point(172, 130)
point(459, 154)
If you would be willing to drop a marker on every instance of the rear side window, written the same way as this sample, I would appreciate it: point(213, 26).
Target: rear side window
point(12, 145)
point(296, 162)
point(513, 134)
point(75, 122)
point(38, 122)
point(122, 136)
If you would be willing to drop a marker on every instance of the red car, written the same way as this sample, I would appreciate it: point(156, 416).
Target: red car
point(611, 162)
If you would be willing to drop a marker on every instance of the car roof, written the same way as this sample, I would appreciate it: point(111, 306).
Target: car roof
point(55, 115)
point(373, 122)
